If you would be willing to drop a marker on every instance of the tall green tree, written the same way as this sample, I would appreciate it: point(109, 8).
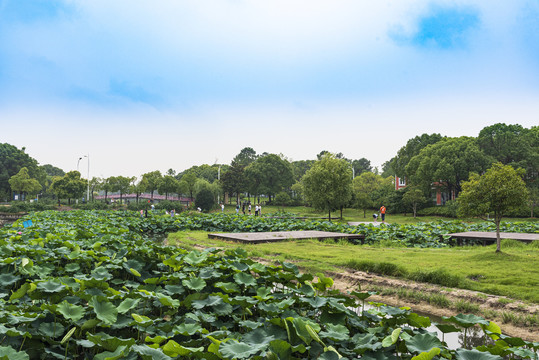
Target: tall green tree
point(411, 149)
point(414, 197)
point(151, 181)
point(12, 160)
point(168, 185)
point(22, 183)
point(246, 157)
point(448, 162)
point(275, 174)
point(187, 183)
point(121, 184)
point(233, 181)
point(328, 184)
point(497, 192)
point(364, 187)
point(70, 186)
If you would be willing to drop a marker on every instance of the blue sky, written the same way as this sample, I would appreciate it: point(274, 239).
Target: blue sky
point(152, 85)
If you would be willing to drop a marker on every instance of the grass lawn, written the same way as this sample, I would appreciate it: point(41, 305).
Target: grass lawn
point(513, 273)
point(354, 215)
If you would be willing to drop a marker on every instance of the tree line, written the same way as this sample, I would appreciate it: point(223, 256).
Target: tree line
point(330, 182)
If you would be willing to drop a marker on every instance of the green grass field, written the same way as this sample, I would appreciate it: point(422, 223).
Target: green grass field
point(513, 273)
point(355, 215)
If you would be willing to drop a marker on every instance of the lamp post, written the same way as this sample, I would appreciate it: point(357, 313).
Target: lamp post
point(219, 178)
point(88, 184)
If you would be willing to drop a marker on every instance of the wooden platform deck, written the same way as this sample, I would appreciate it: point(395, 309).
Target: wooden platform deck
point(263, 237)
point(490, 237)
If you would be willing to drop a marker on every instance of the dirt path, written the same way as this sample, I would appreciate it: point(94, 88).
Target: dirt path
point(349, 281)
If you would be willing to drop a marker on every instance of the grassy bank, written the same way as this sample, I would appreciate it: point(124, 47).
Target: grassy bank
point(513, 273)
point(354, 215)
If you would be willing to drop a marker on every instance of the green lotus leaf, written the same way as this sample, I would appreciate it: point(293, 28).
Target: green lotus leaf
point(8, 353)
point(10, 331)
point(20, 292)
point(228, 287)
point(50, 329)
point(187, 329)
point(209, 301)
point(361, 295)
point(104, 310)
point(427, 355)
point(13, 319)
point(73, 312)
point(72, 267)
point(258, 336)
point(335, 332)
point(281, 349)
point(467, 320)
point(127, 304)
point(168, 301)
point(175, 289)
point(194, 257)
point(172, 348)
point(155, 340)
point(446, 328)
point(89, 324)
point(523, 353)
point(196, 284)
point(465, 354)
point(109, 343)
point(50, 286)
point(146, 351)
point(379, 355)
point(101, 273)
point(316, 302)
point(418, 321)
point(423, 343)
point(142, 319)
point(513, 341)
point(391, 339)
point(233, 349)
point(119, 353)
point(8, 279)
point(250, 324)
point(329, 355)
point(245, 279)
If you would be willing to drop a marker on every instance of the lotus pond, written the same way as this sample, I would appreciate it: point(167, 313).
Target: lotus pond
point(91, 285)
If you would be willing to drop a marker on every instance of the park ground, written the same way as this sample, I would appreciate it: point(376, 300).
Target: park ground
point(500, 287)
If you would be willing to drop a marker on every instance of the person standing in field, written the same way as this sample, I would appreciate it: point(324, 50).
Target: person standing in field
point(383, 213)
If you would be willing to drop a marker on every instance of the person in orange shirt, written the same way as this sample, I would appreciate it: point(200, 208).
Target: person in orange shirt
point(383, 213)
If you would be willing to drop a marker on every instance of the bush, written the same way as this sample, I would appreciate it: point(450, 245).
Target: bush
point(282, 199)
point(23, 206)
point(448, 210)
point(204, 200)
point(169, 205)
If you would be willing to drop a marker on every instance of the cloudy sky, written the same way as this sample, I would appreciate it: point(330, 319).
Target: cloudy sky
point(145, 85)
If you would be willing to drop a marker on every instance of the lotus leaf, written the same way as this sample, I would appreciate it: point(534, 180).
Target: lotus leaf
point(245, 279)
point(104, 310)
point(8, 353)
point(172, 348)
point(233, 349)
point(465, 354)
point(423, 343)
point(196, 284)
point(69, 311)
point(127, 304)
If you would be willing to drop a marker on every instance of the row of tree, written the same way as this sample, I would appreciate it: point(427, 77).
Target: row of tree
point(330, 182)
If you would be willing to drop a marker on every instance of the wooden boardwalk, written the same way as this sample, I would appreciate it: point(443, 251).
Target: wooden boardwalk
point(490, 237)
point(263, 237)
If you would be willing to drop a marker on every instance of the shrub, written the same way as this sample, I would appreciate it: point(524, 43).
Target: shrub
point(282, 199)
point(204, 200)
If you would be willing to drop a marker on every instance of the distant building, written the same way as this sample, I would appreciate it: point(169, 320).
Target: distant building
point(439, 197)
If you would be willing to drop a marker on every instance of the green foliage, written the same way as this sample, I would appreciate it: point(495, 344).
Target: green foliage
point(96, 288)
point(204, 200)
point(71, 186)
point(22, 183)
point(328, 184)
point(282, 199)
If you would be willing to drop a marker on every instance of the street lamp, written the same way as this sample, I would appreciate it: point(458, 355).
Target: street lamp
point(88, 186)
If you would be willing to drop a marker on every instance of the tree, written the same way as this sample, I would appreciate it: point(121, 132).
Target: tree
point(188, 183)
point(274, 173)
point(52, 170)
point(364, 186)
point(168, 185)
point(233, 181)
point(151, 181)
point(300, 167)
point(411, 149)
point(447, 163)
point(24, 184)
point(121, 184)
point(413, 197)
point(360, 166)
point(500, 190)
point(246, 156)
point(11, 161)
point(328, 184)
point(204, 200)
point(69, 186)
